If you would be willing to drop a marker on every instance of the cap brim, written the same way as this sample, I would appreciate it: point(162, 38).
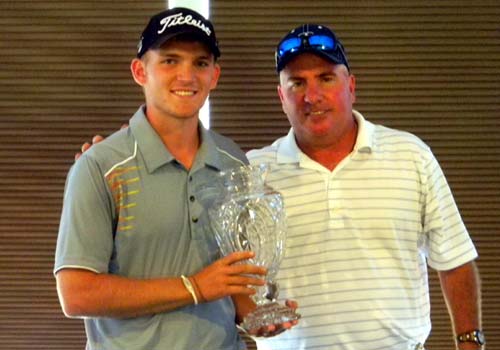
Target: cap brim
point(193, 33)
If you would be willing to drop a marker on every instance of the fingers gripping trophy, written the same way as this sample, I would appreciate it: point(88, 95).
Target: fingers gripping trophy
point(248, 215)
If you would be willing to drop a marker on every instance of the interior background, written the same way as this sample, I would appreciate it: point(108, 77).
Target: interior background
point(429, 67)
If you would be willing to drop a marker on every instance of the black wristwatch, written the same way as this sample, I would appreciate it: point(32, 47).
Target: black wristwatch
point(476, 336)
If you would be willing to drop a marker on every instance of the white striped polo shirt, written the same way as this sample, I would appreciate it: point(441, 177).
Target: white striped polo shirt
point(360, 238)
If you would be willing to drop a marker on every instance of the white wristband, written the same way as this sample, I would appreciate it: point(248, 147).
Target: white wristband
point(189, 287)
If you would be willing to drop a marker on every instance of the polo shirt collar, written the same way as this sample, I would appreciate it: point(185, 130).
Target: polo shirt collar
point(289, 152)
point(365, 138)
point(149, 143)
point(208, 153)
point(154, 152)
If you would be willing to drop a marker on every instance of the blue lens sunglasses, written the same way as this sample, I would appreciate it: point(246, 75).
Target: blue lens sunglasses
point(318, 42)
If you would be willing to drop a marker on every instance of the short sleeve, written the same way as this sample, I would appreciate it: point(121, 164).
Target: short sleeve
point(448, 242)
point(85, 238)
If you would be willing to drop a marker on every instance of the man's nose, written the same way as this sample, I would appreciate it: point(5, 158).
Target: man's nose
point(312, 93)
point(185, 72)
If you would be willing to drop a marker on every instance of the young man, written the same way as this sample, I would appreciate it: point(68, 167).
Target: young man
point(368, 208)
point(134, 257)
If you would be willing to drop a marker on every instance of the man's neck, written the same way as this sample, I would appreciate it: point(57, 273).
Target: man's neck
point(332, 153)
point(180, 137)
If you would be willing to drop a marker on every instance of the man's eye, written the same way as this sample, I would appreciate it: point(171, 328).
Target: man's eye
point(327, 78)
point(203, 64)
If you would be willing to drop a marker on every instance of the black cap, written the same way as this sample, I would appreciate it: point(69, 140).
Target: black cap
point(174, 22)
point(312, 38)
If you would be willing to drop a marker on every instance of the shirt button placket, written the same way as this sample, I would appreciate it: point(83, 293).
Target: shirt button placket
point(194, 211)
point(192, 200)
point(334, 204)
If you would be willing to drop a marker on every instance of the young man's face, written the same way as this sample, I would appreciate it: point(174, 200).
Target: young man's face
point(177, 78)
point(317, 96)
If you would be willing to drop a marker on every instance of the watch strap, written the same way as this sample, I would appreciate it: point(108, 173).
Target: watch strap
point(475, 336)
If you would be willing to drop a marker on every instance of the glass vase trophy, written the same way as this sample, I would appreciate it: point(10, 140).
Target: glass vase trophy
point(247, 215)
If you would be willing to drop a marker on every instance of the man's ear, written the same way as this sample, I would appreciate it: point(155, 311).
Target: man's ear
point(279, 88)
point(352, 87)
point(280, 93)
point(138, 69)
point(215, 78)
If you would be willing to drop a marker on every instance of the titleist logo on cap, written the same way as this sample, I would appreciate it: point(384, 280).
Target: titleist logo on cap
point(179, 19)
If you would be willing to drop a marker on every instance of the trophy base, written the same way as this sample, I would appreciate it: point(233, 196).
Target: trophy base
point(267, 315)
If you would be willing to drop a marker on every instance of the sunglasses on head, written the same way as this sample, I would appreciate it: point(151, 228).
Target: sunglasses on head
point(321, 42)
point(315, 41)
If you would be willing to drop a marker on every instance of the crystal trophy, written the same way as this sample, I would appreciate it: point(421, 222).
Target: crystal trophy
point(248, 215)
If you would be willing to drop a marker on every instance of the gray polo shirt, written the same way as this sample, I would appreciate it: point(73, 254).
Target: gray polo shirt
point(132, 210)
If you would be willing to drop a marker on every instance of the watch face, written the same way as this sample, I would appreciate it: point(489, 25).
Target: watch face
point(480, 337)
